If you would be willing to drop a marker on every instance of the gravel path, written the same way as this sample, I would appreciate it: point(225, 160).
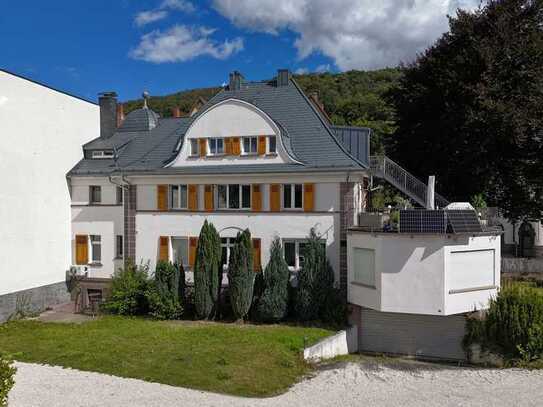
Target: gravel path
point(367, 383)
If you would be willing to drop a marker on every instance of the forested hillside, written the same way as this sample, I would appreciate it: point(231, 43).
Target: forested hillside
point(351, 98)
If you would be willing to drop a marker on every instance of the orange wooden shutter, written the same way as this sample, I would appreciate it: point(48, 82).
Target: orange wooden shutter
point(193, 197)
point(193, 245)
point(309, 197)
point(81, 249)
point(261, 145)
point(256, 255)
point(256, 204)
point(162, 197)
point(236, 146)
point(203, 147)
point(164, 250)
point(228, 145)
point(275, 197)
point(208, 198)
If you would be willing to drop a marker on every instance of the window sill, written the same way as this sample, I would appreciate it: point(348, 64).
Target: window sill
point(249, 154)
point(118, 258)
point(271, 154)
point(364, 285)
point(221, 155)
point(95, 264)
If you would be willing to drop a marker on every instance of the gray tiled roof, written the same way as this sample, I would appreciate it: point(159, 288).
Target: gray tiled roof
point(306, 135)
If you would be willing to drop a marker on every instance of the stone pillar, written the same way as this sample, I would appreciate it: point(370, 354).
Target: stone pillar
point(130, 223)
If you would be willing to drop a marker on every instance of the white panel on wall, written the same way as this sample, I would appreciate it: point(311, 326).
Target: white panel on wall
point(471, 269)
point(364, 266)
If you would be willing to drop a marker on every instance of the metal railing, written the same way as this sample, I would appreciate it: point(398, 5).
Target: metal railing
point(384, 167)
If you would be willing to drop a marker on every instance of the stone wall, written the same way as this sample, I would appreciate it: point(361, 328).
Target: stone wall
point(33, 300)
point(513, 266)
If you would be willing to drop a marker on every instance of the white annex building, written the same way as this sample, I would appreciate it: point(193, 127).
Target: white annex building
point(41, 133)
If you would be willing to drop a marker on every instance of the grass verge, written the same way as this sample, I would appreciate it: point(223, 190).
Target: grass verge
point(243, 360)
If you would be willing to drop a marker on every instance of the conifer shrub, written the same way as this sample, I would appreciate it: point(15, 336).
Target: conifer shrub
point(207, 270)
point(512, 325)
point(7, 375)
point(165, 292)
point(273, 304)
point(241, 275)
point(129, 285)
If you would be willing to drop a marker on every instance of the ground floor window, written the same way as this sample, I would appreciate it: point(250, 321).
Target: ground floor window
point(119, 246)
point(180, 250)
point(294, 252)
point(96, 248)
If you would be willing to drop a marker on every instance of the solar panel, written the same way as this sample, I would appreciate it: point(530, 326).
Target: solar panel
point(422, 221)
point(464, 221)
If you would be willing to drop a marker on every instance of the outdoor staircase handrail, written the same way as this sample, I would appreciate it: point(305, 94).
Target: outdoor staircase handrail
point(385, 168)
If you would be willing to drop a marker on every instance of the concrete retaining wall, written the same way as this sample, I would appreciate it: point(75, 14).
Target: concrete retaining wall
point(522, 265)
point(342, 343)
point(33, 300)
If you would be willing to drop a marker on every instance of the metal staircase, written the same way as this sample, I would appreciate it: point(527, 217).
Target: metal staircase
point(383, 167)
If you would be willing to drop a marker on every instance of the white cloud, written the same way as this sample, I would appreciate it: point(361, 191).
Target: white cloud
point(180, 5)
point(147, 17)
point(183, 43)
point(160, 13)
point(301, 71)
point(323, 68)
point(355, 34)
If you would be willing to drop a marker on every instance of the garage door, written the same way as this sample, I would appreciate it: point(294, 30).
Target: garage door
point(415, 335)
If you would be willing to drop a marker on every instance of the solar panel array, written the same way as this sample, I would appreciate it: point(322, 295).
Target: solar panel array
point(464, 221)
point(439, 221)
point(423, 221)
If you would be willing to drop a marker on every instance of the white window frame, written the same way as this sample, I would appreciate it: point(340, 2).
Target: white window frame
point(230, 242)
point(297, 251)
point(91, 247)
point(241, 207)
point(292, 197)
point(215, 140)
point(250, 138)
point(170, 249)
point(99, 154)
point(170, 197)
point(119, 246)
point(194, 147)
point(268, 150)
point(356, 279)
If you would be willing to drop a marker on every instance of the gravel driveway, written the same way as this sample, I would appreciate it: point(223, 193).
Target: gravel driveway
point(370, 382)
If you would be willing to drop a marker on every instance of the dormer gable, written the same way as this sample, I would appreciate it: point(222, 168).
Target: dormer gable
point(232, 132)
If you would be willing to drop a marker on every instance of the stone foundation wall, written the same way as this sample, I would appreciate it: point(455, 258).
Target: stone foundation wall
point(33, 300)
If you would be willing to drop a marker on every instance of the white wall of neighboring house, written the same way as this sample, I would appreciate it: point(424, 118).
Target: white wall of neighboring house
point(41, 134)
point(510, 234)
point(426, 274)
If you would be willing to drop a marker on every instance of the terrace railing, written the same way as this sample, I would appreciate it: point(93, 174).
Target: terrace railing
point(383, 167)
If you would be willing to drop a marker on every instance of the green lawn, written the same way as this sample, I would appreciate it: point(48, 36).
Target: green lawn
point(243, 360)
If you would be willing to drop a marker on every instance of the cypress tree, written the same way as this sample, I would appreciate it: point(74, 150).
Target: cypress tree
point(273, 305)
point(241, 275)
point(206, 272)
point(308, 296)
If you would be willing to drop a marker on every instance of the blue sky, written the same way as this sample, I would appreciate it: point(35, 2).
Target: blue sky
point(85, 47)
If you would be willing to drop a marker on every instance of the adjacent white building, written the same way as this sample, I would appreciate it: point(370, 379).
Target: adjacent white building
point(41, 133)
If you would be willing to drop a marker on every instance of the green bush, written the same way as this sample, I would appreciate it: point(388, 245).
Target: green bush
point(273, 304)
point(241, 275)
point(207, 272)
point(7, 374)
point(129, 285)
point(333, 308)
point(513, 323)
point(165, 292)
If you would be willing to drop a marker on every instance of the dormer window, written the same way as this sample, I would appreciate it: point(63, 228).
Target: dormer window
point(102, 154)
point(194, 151)
point(250, 145)
point(272, 145)
point(216, 146)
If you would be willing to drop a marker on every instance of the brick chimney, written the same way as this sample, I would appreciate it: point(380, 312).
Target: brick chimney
point(236, 79)
point(176, 112)
point(120, 114)
point(108, 113)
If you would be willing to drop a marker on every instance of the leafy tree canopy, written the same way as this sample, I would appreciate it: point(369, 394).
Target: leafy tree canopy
point(470, 109)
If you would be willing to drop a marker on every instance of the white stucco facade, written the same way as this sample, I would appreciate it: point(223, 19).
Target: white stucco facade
point(425, 274)
point(42, 131)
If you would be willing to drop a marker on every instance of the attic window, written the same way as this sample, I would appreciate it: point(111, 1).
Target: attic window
point(102, 154)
